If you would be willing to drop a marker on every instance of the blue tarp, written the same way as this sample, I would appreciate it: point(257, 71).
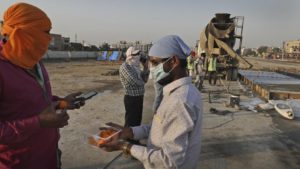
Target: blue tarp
point(114, 56)
point(103, 57)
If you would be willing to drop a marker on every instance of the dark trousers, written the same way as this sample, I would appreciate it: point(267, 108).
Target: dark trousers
point(59, 158)
point(212, 75)
point(134, 110)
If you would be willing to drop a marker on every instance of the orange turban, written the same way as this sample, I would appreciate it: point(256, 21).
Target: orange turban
point(27, 28)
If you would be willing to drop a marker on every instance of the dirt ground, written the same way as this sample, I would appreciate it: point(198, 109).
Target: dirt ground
point(267, 64)
point(83, 76)
point(238, 139)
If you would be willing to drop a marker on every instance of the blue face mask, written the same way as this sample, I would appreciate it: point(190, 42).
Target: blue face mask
point(159, 73)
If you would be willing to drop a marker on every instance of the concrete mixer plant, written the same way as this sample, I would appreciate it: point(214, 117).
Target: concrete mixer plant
point(218, 39)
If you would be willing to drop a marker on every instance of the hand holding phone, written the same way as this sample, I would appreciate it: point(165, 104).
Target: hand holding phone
point(75, 100)
point(84, 97)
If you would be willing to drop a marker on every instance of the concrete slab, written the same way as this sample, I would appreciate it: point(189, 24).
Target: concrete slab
point(272, 85)
point(265, 78)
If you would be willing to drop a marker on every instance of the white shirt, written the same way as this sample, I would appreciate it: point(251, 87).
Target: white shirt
point(198, 67)
point(174, 138)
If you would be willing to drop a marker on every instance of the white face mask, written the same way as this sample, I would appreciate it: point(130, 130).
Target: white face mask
point(159, 73)
point(151, 69)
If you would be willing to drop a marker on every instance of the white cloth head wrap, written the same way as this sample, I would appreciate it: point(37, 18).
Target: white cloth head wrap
point(168, 46)
point(132, 58)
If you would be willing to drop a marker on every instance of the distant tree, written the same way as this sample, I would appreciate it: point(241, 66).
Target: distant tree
point(246, 52)
point(94, 48)
point(86, 48)
point(262, 49)
point(76, 46)
point(104, 47)
point(249, 52)
point(252, 53)
point(276, 50)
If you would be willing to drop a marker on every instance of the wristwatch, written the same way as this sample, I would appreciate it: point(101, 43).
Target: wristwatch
point(126, 148)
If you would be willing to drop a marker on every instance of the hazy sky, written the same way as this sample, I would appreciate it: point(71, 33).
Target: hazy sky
point(267, 22)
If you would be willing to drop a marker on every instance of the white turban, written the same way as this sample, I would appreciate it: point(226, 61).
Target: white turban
point(169, 46)
point(132, 57)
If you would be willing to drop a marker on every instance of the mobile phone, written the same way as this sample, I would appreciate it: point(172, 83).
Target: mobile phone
point(88, 95)
point(85, 96)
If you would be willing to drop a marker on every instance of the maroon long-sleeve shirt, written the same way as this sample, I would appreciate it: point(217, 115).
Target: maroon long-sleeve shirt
point(23, 143)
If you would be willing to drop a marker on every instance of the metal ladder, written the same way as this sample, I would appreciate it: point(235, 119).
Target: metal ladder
point(239, 26)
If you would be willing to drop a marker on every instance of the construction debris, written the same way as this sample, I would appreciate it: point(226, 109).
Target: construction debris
point(111, 73)
point(284, 110)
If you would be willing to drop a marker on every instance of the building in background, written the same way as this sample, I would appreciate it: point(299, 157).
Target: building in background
point(292, 46)
point(292, 49)
point(124, 45)
point(66, 43)
point(58, 42)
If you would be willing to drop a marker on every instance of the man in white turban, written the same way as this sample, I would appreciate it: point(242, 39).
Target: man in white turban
point(133, 81)
point(174, 137)
point(165, 48)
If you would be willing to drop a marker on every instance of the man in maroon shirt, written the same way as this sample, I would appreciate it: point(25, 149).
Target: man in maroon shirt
point(29, 115)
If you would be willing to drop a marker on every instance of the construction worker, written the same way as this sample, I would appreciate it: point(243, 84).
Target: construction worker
point(29, 119)
point(174, 137)
point(133, 80)
point(190, 64)
point(199, 73)
point(212, 69)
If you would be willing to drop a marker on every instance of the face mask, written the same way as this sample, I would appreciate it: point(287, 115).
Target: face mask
point(159, 73)
point(151, 74)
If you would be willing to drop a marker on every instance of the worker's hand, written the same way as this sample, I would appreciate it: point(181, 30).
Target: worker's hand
point(73, 102)
point(112, 144)
point(126, 133)
point(51, 118)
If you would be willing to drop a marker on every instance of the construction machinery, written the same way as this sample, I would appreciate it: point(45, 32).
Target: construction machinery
point(218, 39)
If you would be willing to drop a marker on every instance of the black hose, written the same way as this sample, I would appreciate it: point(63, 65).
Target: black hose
point(109, 163)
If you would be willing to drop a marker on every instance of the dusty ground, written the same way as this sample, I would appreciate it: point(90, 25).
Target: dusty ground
point(290, 66)
point(68, 77)
point(240, 139)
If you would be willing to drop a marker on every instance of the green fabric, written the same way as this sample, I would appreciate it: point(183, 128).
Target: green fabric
point(212, 65)
point(38, 74)
point(190, 63)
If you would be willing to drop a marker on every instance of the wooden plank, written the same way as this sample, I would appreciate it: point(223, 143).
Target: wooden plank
point(282, 91)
